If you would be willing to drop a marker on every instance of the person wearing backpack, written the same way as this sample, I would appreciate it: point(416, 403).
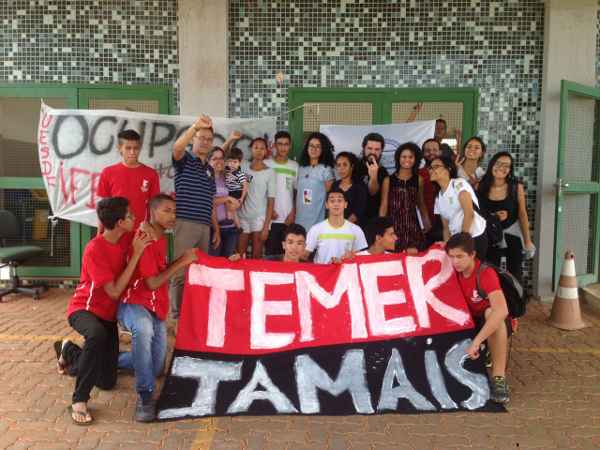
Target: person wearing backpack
point(490, 311)
point(501, 194)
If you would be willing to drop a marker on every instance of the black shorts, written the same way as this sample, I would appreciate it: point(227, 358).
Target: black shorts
point(235, 194)
point(480, 321)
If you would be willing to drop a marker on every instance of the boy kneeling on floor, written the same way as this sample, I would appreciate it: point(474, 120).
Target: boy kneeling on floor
point(490, 314)
point(92, 311)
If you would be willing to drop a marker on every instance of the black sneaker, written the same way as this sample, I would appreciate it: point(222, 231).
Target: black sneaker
point(145, 412)
point(500, 393)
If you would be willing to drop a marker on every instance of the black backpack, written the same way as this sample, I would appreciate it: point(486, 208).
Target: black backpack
point(493, 226)
point(516, 299)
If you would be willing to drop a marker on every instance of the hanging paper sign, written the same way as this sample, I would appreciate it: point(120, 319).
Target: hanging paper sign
point(75, 145)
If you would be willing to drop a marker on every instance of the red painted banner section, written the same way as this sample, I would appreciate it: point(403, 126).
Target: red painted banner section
point(256, 306)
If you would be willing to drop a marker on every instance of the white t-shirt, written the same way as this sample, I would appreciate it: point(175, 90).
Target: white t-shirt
point(261, 186)
point(286, 179)
point(366, 252)
point(331, 242)
point(479, 173)
point(448, 206)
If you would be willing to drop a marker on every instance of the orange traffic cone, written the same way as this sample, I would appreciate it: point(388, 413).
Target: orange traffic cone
point(566, 313)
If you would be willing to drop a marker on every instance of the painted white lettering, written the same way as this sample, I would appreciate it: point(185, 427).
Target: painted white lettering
point(347, 282)
point(436, 381)
point(455, 358)
point(376, 300)
point(396, 375)
point(352, 377)
point(249, 394)
point(259, 337)
point(220, 281)
point(422, 293)
point(209, 374)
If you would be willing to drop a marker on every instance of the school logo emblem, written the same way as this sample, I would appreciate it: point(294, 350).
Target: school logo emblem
point(475, 298)
point(145, 185)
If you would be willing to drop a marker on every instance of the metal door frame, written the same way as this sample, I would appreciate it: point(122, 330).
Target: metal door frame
point(567, 187)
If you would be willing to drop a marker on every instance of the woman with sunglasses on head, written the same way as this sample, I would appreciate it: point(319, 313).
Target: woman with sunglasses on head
point(500, 193)
point(456, 203)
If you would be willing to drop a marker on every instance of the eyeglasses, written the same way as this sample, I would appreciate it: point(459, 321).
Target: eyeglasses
point(317, 147)
point(500, 165)
point(437, 166)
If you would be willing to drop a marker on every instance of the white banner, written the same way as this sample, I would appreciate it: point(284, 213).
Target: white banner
point(349, 137)
point(75, 145)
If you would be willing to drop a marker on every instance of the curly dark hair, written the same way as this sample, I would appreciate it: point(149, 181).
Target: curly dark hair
point(415, 150)
point(326, 157)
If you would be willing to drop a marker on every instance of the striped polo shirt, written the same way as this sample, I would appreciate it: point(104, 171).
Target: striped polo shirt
point(194, 189)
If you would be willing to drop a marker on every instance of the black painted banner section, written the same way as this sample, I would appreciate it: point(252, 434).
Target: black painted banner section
point(412, 375)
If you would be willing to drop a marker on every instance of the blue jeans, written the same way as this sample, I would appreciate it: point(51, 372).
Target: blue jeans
point(148, 345)
point(228, 245)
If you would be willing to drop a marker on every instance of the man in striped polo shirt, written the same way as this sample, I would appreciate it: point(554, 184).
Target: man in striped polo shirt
point(195, 191)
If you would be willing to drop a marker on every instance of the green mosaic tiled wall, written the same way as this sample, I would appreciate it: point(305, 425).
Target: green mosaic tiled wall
point(89, 41)
point(496, 46)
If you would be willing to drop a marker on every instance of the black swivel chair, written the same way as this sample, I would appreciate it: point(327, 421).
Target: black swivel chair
point(11, 257)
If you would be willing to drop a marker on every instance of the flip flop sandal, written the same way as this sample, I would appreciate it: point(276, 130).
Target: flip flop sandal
point(58, 347)
point(87, 418)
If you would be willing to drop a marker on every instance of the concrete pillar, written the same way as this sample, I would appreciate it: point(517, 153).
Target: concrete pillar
point(203, 57)
point(569, 53)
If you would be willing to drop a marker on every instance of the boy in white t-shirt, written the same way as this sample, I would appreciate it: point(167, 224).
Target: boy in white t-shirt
point(286, 173)
point(335, 237)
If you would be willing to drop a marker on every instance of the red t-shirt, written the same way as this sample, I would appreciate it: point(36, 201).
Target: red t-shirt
point(152, 262)
point(138, 185)
point(488, 282)
point(102, 262)
point(428, 191)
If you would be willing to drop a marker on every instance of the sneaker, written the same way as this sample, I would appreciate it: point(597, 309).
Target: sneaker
point(500, 390)
point(145, 412)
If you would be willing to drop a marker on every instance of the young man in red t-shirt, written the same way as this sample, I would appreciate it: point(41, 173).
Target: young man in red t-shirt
point(129, 178)
point(490, 314)
point(145, 304)
point(92, 311)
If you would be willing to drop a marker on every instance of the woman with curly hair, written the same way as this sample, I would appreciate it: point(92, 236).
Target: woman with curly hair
point(315, 177)
point(402, 196)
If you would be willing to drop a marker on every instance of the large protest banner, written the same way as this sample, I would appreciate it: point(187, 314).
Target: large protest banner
point(376, 334)
point(75, 145)
point(349, 137)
